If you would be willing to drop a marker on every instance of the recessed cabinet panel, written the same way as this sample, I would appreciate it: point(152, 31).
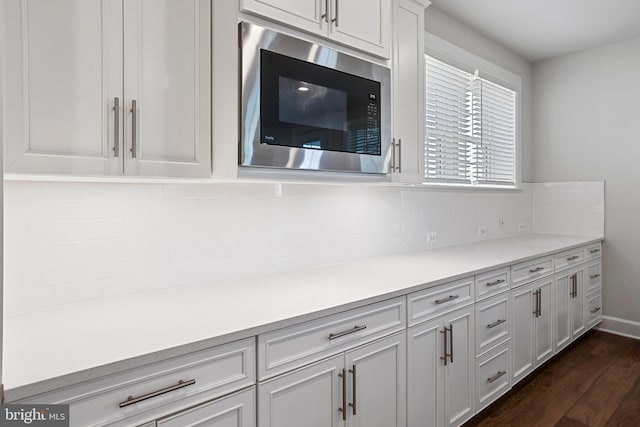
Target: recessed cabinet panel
point(304, 14)
point(63, 72)
point(237, 410)
point(493, 323)
point(363, 24)
point(544, 321)
point(493, 376)
point(425, 384)
point(459, 373)
point(524, 305)
point(307, 397)
point(167, 69)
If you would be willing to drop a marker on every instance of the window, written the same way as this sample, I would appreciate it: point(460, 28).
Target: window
point(470, 124)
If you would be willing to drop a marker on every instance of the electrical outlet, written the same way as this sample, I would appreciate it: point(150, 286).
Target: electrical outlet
point(521, 226)
point(482, 231)
point(500, 221)
point(432, 237)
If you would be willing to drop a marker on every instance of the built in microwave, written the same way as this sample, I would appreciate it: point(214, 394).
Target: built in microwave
point(310, 107)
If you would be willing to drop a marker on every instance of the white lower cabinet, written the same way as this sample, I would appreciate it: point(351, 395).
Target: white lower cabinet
point(493, 375)
point(532, 338)
point(441, 373)
point(569, 300)
point(236, 410)
point(362, 387)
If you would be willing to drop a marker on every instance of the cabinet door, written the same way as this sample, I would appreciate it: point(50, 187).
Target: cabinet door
point(523, 305)
point(236, 410)
point(62, 73)
point(377, 383)
point(544, 322)
point(362, 24)
point(307, 15)
point(425, 385)
point(459, 373)
point(563, 303)
point(309, 397)
point(168, 78)
point(408, 91)
point(577, 305)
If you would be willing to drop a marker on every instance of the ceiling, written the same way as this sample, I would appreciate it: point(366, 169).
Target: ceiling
point(540, 29)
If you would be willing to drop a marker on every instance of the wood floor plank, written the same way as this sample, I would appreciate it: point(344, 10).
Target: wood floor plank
point(545, 400)
point(564, 385)
point(628, 412)
point(598, 404)
point(569, 422)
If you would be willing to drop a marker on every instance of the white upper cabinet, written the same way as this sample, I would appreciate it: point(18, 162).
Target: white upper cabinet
point(361, 24)
point(62, 72)
point(75, 68)
point(408, 92)
point(167, 72)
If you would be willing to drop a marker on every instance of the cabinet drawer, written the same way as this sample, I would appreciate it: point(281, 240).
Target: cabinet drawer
point(432, 302)
point(569, 258)
point(529, 271)
point(594, 309)
point(493, 323)
point(492, 283)
point(493, 376)
point(593, 251)
point(594, 277)
point(204, 374)
point(298, 345)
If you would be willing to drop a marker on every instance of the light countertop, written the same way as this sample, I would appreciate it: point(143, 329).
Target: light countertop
point(49, 349)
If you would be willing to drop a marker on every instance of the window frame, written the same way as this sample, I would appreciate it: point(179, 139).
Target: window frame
point(453, 55)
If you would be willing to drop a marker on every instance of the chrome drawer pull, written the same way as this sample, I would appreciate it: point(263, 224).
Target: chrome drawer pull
point(131, 400)
point(535, 270)
point(594, 276)
point(497, 282)
point(343, 376)
point(116, 125)
point(447, 299)
point(496, 323)
point(571, 258)
point(595, 310)
point(594, 251)
point(350, 331)
point(496, 376)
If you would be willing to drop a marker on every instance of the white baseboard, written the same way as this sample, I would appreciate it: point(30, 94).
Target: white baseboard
point(614, 325)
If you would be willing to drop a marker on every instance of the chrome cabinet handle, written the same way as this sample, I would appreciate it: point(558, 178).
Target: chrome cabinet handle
point(496, 376)
point(343, 375)
point(399, 153)
point(335, 17)
point(496, 323)
point(594, 251)
point(594, 276)
point(350, 331)
point(571, 258)
point(116, 125)
point(497, 282)
point(451, 343)
point(447, 299)
point(595, 310)
point(444, 342)
point(131, 400)
point(535, 270)
point(134, 127)
point(393, 155)
point(536, 310)
point(353, 405)
point(574, 285)
point(325, 15)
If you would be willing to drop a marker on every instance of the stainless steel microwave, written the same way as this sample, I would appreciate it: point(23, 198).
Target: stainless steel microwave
point(309, 107)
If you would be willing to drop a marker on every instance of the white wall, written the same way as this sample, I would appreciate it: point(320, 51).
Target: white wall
point(458, 34)
point(71, 242)
point(587, 127)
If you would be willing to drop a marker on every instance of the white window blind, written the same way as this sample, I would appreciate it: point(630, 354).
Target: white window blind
point(470, 128)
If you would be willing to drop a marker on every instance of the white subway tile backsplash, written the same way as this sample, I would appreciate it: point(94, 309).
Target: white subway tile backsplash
point(77, 242)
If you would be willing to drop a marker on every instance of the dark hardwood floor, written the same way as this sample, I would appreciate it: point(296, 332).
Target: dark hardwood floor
point(594, 383)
